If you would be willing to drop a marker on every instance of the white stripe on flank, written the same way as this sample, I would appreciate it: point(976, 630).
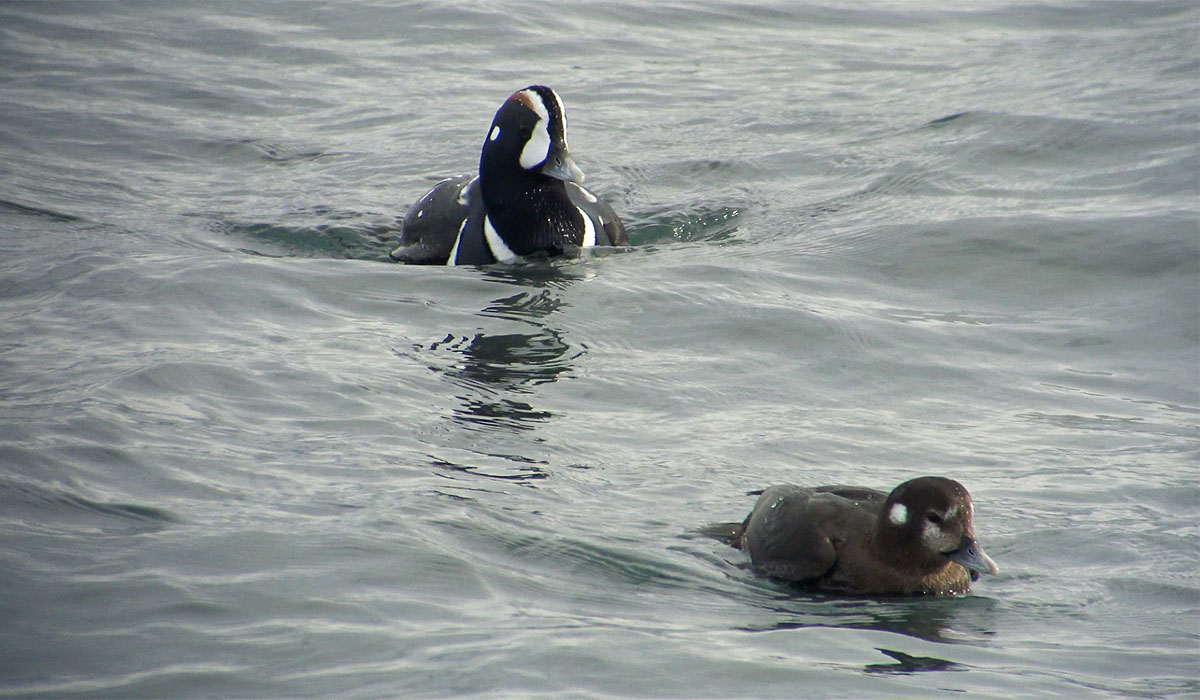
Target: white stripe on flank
point(589, 229)
point(452, 260)
point(500, 251)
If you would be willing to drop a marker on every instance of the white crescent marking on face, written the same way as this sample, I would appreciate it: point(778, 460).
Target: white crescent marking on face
point(898, 514)
point(537, 148)
point(500, 251)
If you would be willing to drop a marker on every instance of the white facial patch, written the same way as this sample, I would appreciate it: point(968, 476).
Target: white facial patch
point(937, 538)
point(934, 536)
point(537, 148)
point(495, 133)
point(898, 514)
point(500, 250)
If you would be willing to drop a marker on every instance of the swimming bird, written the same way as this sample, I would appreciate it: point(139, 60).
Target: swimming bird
point(918, 539)
point(527, 198)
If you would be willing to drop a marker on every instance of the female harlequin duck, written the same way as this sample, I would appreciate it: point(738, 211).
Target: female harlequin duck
point(526, 199)
point(918, 539)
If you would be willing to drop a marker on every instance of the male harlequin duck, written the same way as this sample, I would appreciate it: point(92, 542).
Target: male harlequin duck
point(526, 199)
point(918, 539)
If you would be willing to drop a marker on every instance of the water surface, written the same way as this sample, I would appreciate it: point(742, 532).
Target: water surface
point(243, 455)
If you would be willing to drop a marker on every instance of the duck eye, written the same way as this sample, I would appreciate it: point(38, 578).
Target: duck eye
point(934, 518)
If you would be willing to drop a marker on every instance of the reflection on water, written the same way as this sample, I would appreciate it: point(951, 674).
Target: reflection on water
point(506, 413)
point(496, 369)
point(526, 468)
point(499, 371)
point(524, 306)
point(538, 274)
point(949, 621)
point(508, 362)
point(943, 619)
point(496, 373)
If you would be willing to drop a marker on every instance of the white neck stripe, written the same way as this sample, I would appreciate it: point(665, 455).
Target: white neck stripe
point(500, 251)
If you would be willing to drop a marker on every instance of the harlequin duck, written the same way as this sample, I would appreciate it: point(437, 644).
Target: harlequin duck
point(526, 199)
point(919, 539)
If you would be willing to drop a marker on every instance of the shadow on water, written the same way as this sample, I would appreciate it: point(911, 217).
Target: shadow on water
point(49, 509)
point(28, 210)
point(907, 664)
point(320, 233)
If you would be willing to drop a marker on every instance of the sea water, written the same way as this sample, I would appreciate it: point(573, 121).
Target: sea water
point(242, 454)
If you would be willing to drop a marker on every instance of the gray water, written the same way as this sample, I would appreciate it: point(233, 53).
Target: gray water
point(241, 454)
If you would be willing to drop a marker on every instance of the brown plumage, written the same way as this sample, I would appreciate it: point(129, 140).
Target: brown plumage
point(919, 539)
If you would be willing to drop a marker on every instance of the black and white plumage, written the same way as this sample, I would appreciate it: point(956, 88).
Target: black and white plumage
point(526, 199)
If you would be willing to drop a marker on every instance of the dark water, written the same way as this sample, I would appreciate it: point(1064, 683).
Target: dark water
point(242, 455)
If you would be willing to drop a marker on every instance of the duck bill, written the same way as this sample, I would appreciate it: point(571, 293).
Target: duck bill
point(561, 167)
point(971, 555)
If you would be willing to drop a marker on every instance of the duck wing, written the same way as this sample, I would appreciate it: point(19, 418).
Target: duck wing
point(785, 534)
point(609, 229)
point(795, 533)
point(432, 225)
